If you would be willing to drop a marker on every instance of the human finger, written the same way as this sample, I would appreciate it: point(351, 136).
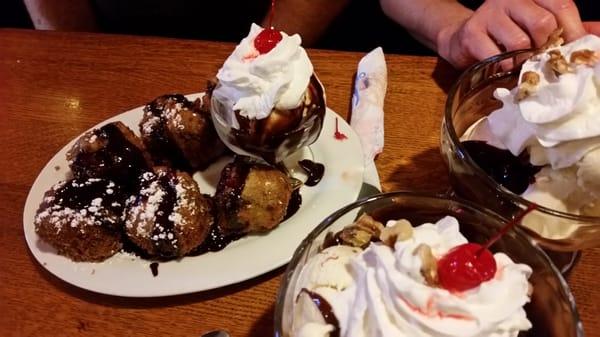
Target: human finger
point(592, 27)
point(475, 43)
point(567, 16)
point(506, 32)
point(537, 21)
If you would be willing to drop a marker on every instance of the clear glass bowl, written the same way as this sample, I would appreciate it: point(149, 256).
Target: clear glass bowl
point(468, 101)
point(277, 137)
point(552, 309)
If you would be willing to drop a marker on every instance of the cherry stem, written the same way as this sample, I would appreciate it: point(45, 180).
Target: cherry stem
point(271, 14)
point(507, 227)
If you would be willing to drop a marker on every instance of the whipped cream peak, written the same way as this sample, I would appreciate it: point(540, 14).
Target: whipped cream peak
point(254, 83)
point(558, 120)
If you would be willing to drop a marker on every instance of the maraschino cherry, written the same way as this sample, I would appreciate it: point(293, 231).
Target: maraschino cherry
point(467, 266)
point(269, 37)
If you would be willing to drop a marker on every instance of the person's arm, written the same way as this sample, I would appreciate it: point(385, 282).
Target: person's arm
point(61, 15)
point(463, 37)
point(309, 18)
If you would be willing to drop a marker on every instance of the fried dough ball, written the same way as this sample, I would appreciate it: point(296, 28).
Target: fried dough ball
point(112, 152)
point(169, 217)
point(82, 218)
point(180, 133)
point(251, 197)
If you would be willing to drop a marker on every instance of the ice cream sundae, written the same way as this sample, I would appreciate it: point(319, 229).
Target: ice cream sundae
point(268, 103)
point(544, 142)
point(396, 280)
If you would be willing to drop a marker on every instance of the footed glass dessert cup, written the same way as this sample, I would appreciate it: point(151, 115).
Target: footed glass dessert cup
point(468, 101)
point(278, 136)
point(551, 311)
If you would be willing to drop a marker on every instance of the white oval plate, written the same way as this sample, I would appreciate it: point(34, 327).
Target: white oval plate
point(128, 275)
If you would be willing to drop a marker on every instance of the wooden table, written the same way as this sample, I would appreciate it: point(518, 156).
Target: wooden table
point(53, 86)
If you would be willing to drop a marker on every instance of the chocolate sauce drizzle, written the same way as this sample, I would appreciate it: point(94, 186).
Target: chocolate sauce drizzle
point(164, 226)
point(79, 193)
point(118, 160)
point(154, 268)
point(314, 171)
point(326, 310)
point(293, 205)
point(514, 173)
point(158, 141)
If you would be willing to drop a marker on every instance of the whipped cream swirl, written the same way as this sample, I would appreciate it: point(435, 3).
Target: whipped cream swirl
point(559, 123)
point(389, 297)
point(255, 83)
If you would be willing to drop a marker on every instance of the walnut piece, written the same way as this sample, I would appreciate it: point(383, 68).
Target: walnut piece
point(558, 63)
point(528, 86)
point(428, 264)
point(400, 231)
point(554, 40)
point(585, 56)
point(361, 232)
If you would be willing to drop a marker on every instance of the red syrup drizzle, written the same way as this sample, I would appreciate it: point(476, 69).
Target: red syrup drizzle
point(337, 134)
point(269, 37)
point(467, 266)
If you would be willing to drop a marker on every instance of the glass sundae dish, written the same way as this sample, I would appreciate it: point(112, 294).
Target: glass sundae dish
point(513, 136)
point(267, 102)
point(369, 269)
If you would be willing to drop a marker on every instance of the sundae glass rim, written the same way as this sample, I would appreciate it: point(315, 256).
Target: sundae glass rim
point(464, 154)
point(299, 253)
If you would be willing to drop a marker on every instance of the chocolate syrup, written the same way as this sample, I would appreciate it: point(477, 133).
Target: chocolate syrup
point(293, 204)
point(215, 241)
point(275, 140)
point(326, 310)
point(164, 227)
point(229, 191)
point(80, 193)
point(314, 171)
point(154, 268)
point(163, 233)
point(158, 141)
point(514, 173)
point(118, 159)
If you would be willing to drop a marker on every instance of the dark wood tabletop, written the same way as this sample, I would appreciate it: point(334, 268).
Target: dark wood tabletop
point(53, 86)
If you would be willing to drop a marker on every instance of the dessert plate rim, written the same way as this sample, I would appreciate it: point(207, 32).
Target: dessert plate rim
point(130, 276)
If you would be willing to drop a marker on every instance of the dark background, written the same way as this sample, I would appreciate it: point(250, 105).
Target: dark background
point(361, 27)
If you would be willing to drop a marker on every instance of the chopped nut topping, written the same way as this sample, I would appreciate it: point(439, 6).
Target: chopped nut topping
point(400, 231)
point(585, 56)
point(367, 223)
point(361, 232)
point(528, 86)
point(554, 40)
point(428, 264)
point(558, 63)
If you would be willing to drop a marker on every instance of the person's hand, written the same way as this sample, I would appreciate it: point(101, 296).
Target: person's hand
point(592, 27)
point(505, 25)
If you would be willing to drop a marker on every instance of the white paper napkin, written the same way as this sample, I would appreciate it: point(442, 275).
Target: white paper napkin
point(367, 107)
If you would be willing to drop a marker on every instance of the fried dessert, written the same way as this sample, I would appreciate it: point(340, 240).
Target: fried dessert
point(112, 152)
point(82, 218)
point(180, 133)
point(169, 217)
point(251, 197)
